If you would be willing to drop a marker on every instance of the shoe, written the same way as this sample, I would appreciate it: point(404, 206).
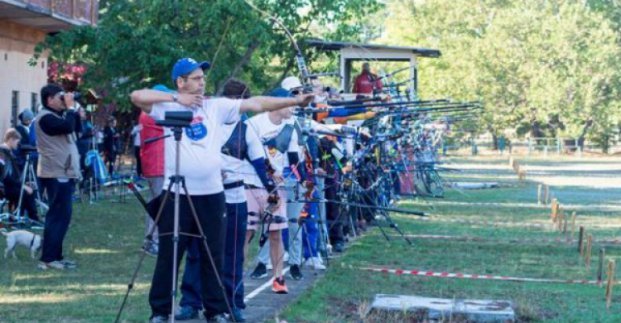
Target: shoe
point(259, 271)
point(338, 247)
point(158, 319)
point(279, 286)
point(218, 318)
point(186, 313)
point(317, 263)
point(51, 265)
point(151, 249)
point(285, 257)
point(295, 272)
point(238, 316)
point(269, 266)
point(69, 264)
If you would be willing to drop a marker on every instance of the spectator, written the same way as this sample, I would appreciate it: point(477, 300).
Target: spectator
point(367, 82)
point(111, 144)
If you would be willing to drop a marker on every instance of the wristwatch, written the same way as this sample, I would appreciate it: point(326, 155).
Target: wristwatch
point(175, 97)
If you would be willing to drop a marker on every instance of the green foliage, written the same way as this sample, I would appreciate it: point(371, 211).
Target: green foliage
point(547, 68)
point(136, 42)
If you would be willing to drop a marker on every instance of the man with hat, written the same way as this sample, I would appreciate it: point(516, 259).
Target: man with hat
point(201, 165)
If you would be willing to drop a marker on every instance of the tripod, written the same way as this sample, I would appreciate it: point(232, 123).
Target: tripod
point(177, 182)
point(28, 176)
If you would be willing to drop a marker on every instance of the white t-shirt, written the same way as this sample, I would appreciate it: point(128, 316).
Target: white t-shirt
point(136, 133)
point(266, 130)
point(200, 157)
point(233, 168)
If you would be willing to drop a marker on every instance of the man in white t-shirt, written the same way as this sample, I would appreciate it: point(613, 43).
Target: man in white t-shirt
point(201, 165)
point(280, 141)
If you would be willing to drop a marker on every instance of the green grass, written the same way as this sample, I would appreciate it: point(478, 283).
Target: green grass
point(344, 293)
point(105, 238)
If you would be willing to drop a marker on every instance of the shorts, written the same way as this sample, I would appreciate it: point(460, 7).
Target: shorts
point(257, 203)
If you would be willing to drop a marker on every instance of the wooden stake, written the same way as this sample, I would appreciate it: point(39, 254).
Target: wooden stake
point(539, 194)
point(560, 219)
point(600, 267)
point(587, 256)
point(581, 241)
point(610, 282)
point(565, 224)
point(546, 195)
point(573, 224)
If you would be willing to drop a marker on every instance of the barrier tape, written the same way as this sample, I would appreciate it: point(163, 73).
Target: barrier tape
point(434, 274)
point(616, 241)
point(506, 224)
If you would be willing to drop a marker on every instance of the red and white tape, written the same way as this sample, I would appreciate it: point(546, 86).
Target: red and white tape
point(434, 274)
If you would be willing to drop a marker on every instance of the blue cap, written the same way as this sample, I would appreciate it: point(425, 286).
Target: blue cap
point(186, 66)
point(280, 93)
point(162, 88)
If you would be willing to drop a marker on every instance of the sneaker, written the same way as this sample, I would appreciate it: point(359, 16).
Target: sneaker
point(151, 249)
point(317, 263)
point(218, 318)
point(338, 247)
point(69, 264)
point(186, 313)
point(158, 319)
point(259, 271)
point(279, 286)
point(285, 257)
point(295, 273)
point(51, 265)
point(269, 265)
point(238, 316)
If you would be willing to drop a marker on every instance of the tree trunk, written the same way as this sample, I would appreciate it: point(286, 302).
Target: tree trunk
point(242, 62)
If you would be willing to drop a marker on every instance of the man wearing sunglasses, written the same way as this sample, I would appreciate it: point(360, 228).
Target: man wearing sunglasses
point(201, 165)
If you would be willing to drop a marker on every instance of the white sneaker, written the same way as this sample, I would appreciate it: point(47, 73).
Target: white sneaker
point(285, 258)
point(268, 266)
point(317, 263)
point(51, 265)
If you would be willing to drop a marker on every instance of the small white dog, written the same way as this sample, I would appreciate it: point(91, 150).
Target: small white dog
point(27, 239)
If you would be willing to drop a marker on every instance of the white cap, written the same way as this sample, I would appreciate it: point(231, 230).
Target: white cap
point(290, 83)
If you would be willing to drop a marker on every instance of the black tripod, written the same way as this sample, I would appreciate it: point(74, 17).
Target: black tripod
point(28, 176)
point(176, 121)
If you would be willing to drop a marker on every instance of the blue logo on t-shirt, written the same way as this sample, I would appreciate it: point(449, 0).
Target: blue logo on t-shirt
point(196, 131)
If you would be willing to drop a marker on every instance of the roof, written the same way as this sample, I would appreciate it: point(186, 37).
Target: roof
point(336, 45)
point(50, 16)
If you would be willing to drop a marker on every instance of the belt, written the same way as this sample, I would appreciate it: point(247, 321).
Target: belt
point(233, 185)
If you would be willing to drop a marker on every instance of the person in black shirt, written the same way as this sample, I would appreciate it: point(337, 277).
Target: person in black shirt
point(12, 176)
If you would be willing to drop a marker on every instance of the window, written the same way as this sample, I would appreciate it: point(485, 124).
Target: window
point(34, 105)
point(14, 108)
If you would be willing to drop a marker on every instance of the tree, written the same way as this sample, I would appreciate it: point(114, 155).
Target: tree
point(548, 68)
point(136, 42)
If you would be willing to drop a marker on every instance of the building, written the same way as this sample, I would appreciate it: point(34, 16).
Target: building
point(23, 24)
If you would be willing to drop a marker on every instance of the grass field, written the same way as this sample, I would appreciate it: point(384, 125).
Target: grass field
point(345, 292)
point(105, 239)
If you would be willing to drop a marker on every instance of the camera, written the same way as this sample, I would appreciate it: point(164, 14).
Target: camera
point(176, 119)
point(76, 96)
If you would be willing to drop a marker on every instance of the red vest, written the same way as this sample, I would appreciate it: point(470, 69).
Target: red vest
point(151, 154)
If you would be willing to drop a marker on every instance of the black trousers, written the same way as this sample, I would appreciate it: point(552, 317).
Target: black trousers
point(335, 221)
point(211, 214)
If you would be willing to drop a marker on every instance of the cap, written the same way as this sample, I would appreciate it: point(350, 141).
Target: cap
point(186, 66)
point(26, 115)
point(290, 83)
point(162, 88)
point(280, 93)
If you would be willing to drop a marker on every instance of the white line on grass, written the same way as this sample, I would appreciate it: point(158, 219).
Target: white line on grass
point(259, 289)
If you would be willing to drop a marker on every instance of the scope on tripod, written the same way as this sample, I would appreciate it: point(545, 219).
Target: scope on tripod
point(176, 119)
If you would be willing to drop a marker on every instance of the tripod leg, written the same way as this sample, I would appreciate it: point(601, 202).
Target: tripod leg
point(130, 286)
point(396, 227)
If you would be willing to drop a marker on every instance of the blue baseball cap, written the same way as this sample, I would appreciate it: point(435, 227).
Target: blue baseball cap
point(280, 93)
point(186, 66)
point(162, 88)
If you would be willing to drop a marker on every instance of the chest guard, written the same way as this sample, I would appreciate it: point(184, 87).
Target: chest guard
point(236, 146)
point(282, 140)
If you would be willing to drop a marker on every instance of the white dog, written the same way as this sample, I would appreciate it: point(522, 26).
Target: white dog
point(28, 239)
